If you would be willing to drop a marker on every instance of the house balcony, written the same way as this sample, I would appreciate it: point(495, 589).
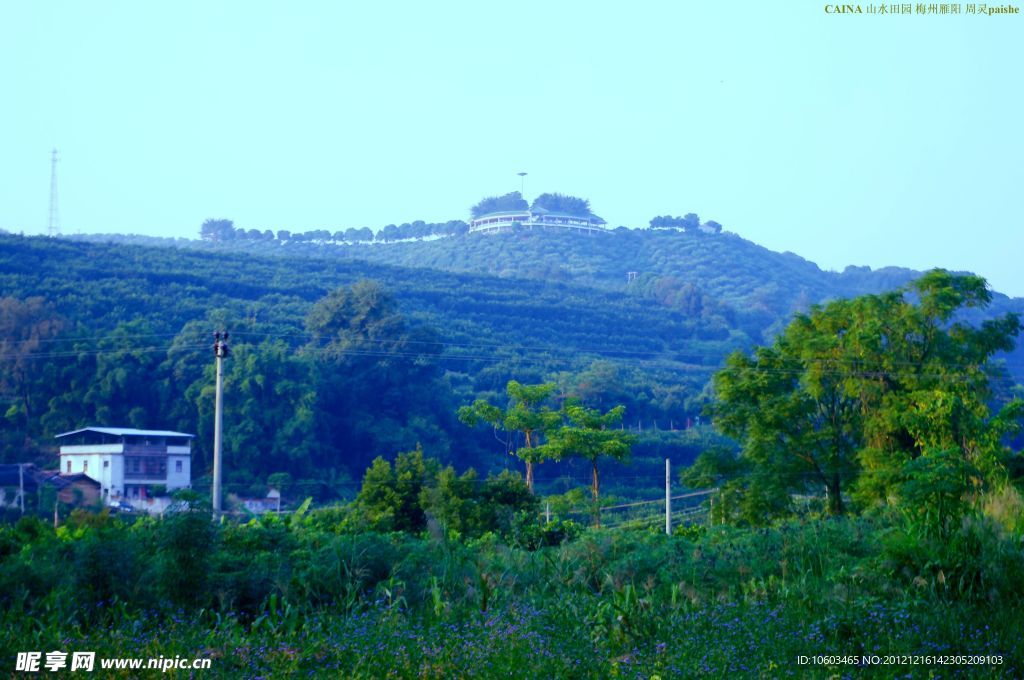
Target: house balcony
point(146, 477)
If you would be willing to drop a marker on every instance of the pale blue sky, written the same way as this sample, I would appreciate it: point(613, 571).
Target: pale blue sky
point(877, 140)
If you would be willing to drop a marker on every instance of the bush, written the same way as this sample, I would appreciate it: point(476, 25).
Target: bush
point(530, 533)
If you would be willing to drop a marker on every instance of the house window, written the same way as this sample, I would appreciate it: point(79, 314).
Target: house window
point(69, 467)
point(177, 466)
point(106, 463)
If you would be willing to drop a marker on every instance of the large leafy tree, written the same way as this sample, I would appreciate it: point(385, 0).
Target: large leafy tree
point(390, 497)
point(926, 384)
point(376, 375)
point(561, 203)
point(526, 414)
point(852, 392)
point(218, 230)
point(270, 407)
point(509, 202)
point(591, 435)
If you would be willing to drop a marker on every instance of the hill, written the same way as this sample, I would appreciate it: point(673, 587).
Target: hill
point(134, 313)
point(757, 289)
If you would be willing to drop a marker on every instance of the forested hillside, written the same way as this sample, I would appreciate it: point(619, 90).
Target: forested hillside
point(117, 333)
point(107, 330)
point(726, 280)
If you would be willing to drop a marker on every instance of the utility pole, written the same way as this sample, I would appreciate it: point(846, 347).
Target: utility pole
point(221, 351)
point(668, 497)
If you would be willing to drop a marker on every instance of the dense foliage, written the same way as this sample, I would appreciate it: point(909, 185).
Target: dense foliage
point(327, 373)
point(882, 396)
point(739, 284)
point(307, 594)
point(512, 201)
point(560, 203)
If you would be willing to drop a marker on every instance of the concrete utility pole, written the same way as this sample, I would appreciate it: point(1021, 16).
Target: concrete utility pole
point(668, 497)
point(221, 351)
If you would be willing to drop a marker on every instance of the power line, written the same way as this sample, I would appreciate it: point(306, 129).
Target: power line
point(636, 356)
point(565, 355)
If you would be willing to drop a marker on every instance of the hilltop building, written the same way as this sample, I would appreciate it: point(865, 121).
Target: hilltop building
point(536, 217)
point(128, 464)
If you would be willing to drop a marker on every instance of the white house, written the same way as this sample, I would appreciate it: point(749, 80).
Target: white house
point(128, 463)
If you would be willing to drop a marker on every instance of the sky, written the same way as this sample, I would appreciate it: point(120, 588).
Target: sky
point(849, 139)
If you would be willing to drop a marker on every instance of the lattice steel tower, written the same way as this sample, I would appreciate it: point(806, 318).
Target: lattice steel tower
point(54, 229)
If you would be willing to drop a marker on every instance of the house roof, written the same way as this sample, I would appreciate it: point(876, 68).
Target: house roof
point(127, 431)
point(61, 481)
point(9, 473)
point(499, 213)
point(33, 477)
point(539, 211)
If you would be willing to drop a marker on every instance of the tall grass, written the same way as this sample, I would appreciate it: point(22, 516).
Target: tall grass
point(282, 598)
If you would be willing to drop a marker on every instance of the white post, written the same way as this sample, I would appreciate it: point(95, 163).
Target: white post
point(21, 487)
point(668, 497)
point(220, 350)
point(547, 512)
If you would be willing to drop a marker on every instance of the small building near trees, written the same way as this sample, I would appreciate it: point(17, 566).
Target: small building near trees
point(20, 483)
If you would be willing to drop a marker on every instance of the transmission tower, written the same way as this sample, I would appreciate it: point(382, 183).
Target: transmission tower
point(54, 229)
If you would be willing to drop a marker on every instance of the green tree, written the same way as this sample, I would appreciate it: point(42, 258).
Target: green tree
point(591, 435)
point(925, 383)
point(270, 408)
point(218, 230)
point(935, 490)
point(852, 392)
point(376, 377)
point(512, 201)
point(561, 203)
point(391, 497)
point(452, 501)
point(503, 497)
point(526, 414)
point(690, 222)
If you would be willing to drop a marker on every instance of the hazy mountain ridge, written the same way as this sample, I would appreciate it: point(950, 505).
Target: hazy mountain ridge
point(732, 269)
point(724, 279)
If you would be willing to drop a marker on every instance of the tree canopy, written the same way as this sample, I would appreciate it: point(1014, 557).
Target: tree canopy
point(855, 391)
point(218, 230)
point(510, 201)
point(561, 203)
point(590, 435)
point(527, 413)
